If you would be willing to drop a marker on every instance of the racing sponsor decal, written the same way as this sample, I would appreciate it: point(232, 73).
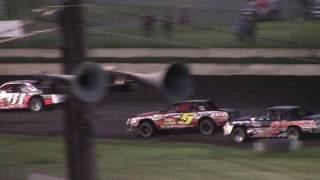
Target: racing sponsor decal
point(220, 116)
point(157, 117)
point(169, 122)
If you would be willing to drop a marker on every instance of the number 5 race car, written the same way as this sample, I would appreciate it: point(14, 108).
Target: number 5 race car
point(279, 121)
point(26, 95)
point(201, 114)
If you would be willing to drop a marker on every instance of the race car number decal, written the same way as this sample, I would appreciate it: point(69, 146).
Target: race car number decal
point(187, 117)
point(16, 98)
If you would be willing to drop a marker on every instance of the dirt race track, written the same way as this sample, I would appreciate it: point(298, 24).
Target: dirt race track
point(249, 94)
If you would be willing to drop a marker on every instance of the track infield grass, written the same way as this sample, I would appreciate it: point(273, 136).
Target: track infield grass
point(153, 159)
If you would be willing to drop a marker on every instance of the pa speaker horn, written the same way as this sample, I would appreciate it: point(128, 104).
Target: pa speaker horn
point(87, 82)
point(174, 82)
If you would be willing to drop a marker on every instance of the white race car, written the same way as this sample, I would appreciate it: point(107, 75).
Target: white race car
point(25, 94)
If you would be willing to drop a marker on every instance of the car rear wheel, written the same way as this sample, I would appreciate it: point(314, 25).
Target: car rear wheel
point(239, 135)
point(207, 127)
point(36, 104)
point(294, 134)
point(146, 129)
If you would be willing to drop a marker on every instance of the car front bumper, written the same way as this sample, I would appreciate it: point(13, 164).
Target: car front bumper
point(312, 130)
point(227, 128)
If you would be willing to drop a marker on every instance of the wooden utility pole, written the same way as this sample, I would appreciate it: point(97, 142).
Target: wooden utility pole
point(77, 128)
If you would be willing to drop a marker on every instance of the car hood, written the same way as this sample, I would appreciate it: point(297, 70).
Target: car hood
point(149, 113)
point(314, 116)
point(244, 118)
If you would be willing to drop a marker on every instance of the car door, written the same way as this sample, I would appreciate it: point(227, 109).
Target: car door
point(179, 116)
point(10, 96)
point(271, 124)
point(279, 121)
point(5, 95)
point(187, 114)
point(262, 124)
point(15, 95)
point(169, 117)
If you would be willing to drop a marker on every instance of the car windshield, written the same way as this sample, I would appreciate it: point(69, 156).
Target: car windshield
point(11, 88)
point(264, 113)
point(5, 87)
point(303, 112)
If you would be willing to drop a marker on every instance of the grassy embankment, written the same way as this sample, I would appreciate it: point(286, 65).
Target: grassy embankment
point(119, 26)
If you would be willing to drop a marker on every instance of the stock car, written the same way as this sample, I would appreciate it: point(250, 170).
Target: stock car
point(201, 114)
point(278, 121)
point(26, 94)
point(121, 82)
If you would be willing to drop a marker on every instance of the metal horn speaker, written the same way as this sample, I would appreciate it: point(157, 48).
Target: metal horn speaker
point(175, 82)
point(87, 82)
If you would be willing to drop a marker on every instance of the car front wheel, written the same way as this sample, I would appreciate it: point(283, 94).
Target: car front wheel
point(294, 134)
point(146, 129)
point(239, 135)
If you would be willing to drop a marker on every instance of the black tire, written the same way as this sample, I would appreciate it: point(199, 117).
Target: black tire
point(146, 129)
point(36, 104)
point(207, 127)
point(239, 135)
point(294, 134)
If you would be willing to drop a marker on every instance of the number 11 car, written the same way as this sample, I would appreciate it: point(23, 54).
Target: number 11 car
point(25, 94)
point(201, 114)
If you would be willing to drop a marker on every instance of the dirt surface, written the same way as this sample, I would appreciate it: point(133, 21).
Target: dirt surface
point(249, 94)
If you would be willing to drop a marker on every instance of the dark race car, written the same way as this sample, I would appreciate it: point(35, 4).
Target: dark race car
point(26, 94)
point(201, 114)
point(279, 121)
point(121, 82)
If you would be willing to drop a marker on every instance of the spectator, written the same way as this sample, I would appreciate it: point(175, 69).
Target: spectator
point(245, 27)
point(148, 24)
point(306, 5)
point(184, 16)
point(251, 5)
point(168, 21)
point(274, 9)
point(263, 8)
point(251, 27)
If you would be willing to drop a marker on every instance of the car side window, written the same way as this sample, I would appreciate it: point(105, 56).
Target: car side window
point(10, 89)
point(200, 107)
point(23, 88)
point(299, 113)
point(16, 88)
point(267, 115)
point(280, 115)
point(184, 107)
point(294, 115)
point(5, 87)
point(263, 114)
point(211, 106)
